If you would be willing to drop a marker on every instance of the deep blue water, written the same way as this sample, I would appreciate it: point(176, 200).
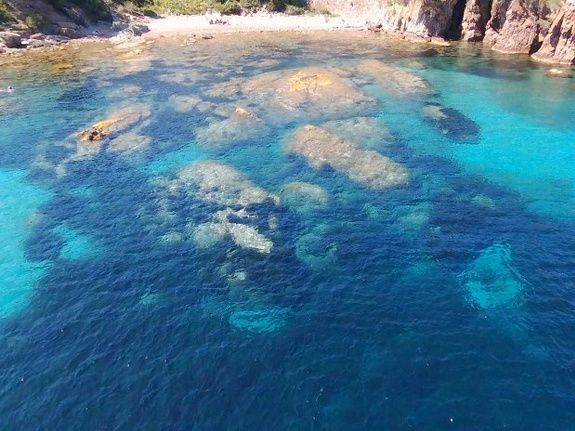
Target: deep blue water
point(444, 303)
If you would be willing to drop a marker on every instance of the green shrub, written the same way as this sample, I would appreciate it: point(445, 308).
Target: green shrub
point(230, 7)
point(34, 22)
point(5, 15)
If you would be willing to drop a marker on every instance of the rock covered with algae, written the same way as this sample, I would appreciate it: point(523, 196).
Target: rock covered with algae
point(370, 168)
point(304, 197)
point(394, 80)
point(307, 93)
point(239, 127)
point(491, 281)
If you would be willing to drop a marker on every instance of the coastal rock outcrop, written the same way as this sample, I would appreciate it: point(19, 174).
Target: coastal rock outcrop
point(509, 26)
point(474, 21)
point(425, 18)
point(322, 148)
point(514, 26)
point(10, 39)
point(559, 44)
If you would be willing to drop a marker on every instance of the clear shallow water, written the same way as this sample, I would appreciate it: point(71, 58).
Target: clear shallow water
point(443, 303)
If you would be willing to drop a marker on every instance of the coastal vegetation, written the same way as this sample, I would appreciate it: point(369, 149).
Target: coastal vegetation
point(95, 10)
point(4, 12)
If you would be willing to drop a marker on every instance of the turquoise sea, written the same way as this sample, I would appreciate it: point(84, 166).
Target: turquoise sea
point(327, 231)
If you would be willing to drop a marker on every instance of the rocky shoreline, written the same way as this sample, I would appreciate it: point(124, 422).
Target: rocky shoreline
point(507, 26)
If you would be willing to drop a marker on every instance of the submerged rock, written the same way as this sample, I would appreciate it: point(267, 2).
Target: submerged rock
point(558, 73)
point(258, 319)
point(393, 80)
point(370, 168)
point(184, 104)
point(413, 218)
point(244, 236)
point(491, 281)
point(90, 141)
point(240, 127)
point(366, 132)
point(483, 201)
point(315, 249)
point(307, 93)
point(221, 184)
point(129, 142)
point(304, 197)
point(234, 194)
point(452, 123)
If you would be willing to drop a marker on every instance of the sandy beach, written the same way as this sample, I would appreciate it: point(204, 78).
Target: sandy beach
point(262, 22)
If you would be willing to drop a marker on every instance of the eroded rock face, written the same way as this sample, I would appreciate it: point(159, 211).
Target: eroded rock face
point(426, 18)
point(322, 148)
point(395, 81)
point(475, 18)
point(307, 93)
point(514, 27)
point(559, 44)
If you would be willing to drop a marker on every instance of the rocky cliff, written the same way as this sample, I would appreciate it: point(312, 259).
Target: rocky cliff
point(559, 44)
point(515, 26)
point(510, 26)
